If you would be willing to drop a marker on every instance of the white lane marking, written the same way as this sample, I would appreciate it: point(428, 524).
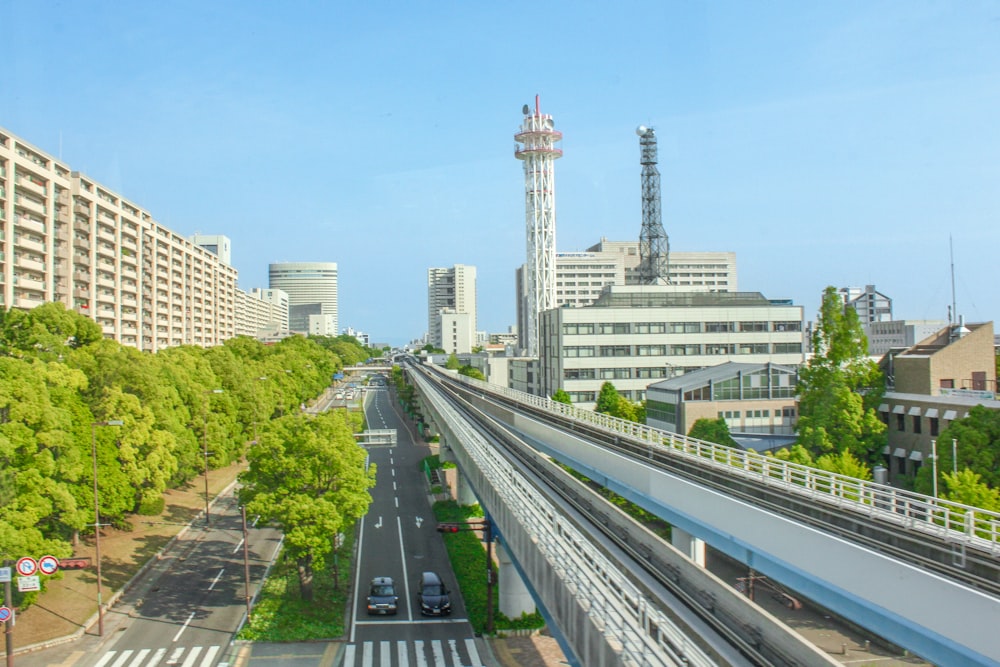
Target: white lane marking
point(121, 661)
point(421, 658)
point(379, 524)
point(192, 657)
point(349, 655)
point(385, 659)
point(397, 501)
point(394, 485)
point(216, 580)
point(104, 659)
point(393, 472)
point(402, 658)
point(402, 557)
point(155, 660)
point(183, 627)
point(419, 520)
point(366, 658)
point(438, 652)
point(238, 545)
point(140, 656)
point(210, 656)
point(357, 574)
point(456, 659)
point(175, 656)
point(470, 646)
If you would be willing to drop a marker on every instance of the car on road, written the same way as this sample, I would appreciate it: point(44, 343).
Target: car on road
point(432, 595)
point(382, 598)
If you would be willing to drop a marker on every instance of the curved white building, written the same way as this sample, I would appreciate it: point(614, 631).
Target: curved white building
point(312, 295)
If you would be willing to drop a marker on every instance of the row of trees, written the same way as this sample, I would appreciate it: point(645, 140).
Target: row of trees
point(59, 379)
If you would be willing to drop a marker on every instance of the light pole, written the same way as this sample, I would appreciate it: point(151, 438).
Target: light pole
point(934, 464)
point(97, 520)
point(954, 456)
point(204, 440)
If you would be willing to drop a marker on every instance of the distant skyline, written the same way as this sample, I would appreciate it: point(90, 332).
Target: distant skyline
point(824, 143)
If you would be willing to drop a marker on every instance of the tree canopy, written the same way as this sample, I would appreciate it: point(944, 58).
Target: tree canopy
point(840, 387)
point(712, 430)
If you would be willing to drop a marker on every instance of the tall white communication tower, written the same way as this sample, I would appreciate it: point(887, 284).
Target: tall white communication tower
point(538, 136)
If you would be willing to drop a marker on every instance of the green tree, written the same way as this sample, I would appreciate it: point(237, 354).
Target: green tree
point(562, 396)
point(471, 372)
point(453, 364)
point(977, 443)
point(839, 387)
point(796, 454)
point(307, 475)
point(844, 463)
point(607, 400)
point(712, 430)
point(966, 487)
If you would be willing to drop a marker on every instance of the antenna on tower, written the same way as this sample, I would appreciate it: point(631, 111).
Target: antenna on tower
point(951, 255)
point(654, 246)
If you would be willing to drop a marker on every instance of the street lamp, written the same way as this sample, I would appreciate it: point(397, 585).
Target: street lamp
point(97, 519)
point(934, 465)
point(204, 440)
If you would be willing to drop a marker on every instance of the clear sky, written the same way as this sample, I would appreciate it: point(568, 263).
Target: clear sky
point(825, 143)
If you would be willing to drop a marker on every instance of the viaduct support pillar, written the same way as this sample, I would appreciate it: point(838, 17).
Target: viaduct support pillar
point(688, 544)
point(515, 599)
point(464, 494)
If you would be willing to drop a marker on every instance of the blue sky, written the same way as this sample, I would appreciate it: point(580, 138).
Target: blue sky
point(825, 143)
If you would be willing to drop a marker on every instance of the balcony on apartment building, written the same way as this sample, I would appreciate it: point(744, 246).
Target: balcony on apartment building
point(27, 243)
point(30, 186)
point(29, 224)
point(30, 204)
point(29, 264)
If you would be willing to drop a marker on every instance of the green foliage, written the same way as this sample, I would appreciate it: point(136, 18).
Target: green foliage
point(977, 441)
point(562, 396)
point(453, 364)
point(712, 430)
point(966, 487)
point(307, 476)
point(281, 615)
point(471, 372)
point(839, 387)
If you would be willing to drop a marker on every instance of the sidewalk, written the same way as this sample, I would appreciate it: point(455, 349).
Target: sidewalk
point(67, 610)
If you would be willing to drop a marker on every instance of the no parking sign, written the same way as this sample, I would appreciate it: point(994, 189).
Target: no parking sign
point(5, 614)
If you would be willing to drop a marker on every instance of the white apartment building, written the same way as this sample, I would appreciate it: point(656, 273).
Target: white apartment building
point(870, 304)
point(261, 310)
point(581, 276)
point(457, 333)
point(66, 238)
point(451, 289)
point(636, 335)
point(688, 271)
point(312, 289)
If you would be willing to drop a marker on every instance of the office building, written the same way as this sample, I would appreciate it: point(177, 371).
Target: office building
point(66, 238)
point(635, 335)
point(261, 312)
point(687, 271)
point(451, 290)
point(312, 290)
point(894, 334)
point(870, 304)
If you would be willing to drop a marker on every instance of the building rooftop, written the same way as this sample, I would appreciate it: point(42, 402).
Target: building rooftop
point(724, 371)
point(666, 296)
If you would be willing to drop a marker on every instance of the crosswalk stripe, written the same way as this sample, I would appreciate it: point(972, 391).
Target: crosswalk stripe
point(349, 654)
point(418, 652)
point(121, 661)
point(438, 652)
point(139, 657)
point(384, 654)
point(104, 659)
point(192, 656)
point(210, 656)
point(421, 658)
point(470, 646)
point(366, 658)
point(175, 656)
point(403, 658)
point(160, 652)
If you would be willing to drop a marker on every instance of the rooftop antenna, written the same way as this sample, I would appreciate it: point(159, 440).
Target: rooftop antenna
point(951, 253)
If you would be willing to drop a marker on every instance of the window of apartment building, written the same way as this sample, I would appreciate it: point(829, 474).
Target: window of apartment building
point(685, 327)
point(649, 373)
point(787, 348)
point(729, 414)
point(685, 350)
point(720, 327)
point(615, 350)
point(753, 326)
point(947, 383)
point(900, 423)
point(933, 425)
point(650, 350)
point(578, 351)
point(582, 396)
point(720, 348)
point(788, 326)
point(752, 348)
point(578, 374)
point(787, 413)
point(572, 328)
point(613, 328)
point(916, 423)
point(616, 373)
point(649, 327)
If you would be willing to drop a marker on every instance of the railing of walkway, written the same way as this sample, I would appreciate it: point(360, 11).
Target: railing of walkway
point(973, 527)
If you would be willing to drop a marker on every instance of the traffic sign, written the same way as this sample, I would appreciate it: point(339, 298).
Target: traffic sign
point(48, 564)
point(25, 584)
point(26, 566)
point(4, 575)
point(5, 614)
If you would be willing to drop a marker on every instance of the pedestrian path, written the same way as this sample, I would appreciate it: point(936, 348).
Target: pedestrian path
point(187, 656)
point(418, 653)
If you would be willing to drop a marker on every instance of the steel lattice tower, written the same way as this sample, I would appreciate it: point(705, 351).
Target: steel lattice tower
point(654, 246)
point(539, 154)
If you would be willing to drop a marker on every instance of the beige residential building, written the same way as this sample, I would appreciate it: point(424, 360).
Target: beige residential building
point(688, 271)
point(66, 238)
point(261, 311)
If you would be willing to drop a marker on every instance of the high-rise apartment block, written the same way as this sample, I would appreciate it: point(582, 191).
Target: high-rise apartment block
point(450, 292)
point(261, 311)
point(870, 305)
point(312, 295)
point(66, 238)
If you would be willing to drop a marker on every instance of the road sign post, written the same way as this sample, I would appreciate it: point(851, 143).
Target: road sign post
point(9, 623)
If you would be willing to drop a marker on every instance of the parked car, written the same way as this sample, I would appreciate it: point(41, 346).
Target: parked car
point(432, 595)
point(382, 598)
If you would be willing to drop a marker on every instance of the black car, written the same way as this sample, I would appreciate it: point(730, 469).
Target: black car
point(382, 598)
point(432, 595)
